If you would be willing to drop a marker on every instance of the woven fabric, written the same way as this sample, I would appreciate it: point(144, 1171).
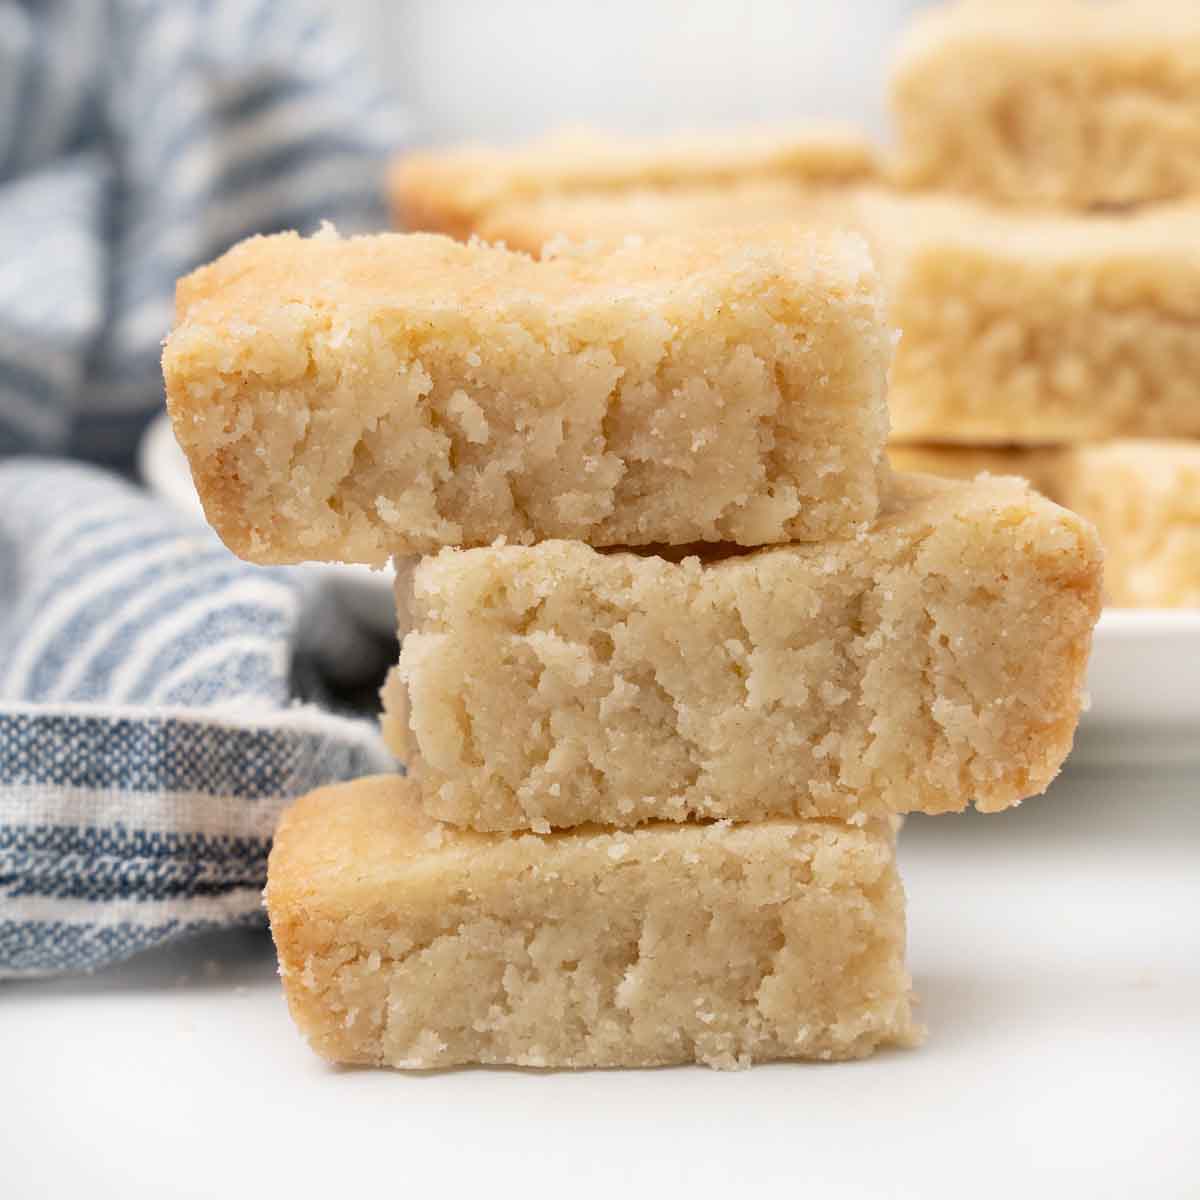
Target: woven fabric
point(150, 730)
point(149, 735)
point(138, 139)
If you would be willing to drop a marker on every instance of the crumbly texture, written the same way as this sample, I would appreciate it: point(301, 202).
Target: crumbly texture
point(1034, 328)
point(610, 217)
point(357, 399)
point(406, 943)
point(1067, 104)
point(452, 191)
point(1142, 496)
point(932, 663)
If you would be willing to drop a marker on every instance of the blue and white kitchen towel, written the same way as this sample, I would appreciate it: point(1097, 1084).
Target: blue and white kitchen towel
point(149, 731)
point(139, 138)
point(149, 734)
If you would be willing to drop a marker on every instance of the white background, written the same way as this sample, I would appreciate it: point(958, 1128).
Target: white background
point(504, 69)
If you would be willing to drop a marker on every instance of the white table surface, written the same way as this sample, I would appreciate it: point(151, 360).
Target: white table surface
point(1056, 949)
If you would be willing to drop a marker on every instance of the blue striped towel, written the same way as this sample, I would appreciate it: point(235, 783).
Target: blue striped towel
point(149, 733)
point(139, 138)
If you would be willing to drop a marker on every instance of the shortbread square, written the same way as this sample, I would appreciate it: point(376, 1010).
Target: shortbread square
point(934, 662)
point(610, 218)
point(454, 190)
point(1144, 499)
point(1142, 496)
point(406, 943)
point(1037, 328)
point(1014, 327)
point(350, 400)
point(1069, 103)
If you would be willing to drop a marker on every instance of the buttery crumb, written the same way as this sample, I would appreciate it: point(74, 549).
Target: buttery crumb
point(359, 399)
point(720, 944)
point(938, 662)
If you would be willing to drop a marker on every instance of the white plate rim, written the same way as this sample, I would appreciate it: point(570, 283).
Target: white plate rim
point(1136, 623)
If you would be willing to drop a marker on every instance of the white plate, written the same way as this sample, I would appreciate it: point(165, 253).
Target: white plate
point(1144, 680)
point(1144, 687)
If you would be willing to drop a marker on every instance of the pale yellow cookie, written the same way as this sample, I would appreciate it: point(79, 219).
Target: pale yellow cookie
point(1142, 496)
point(610, 218)
point(1015, 327)
point(934, 662)
point(1038, 328)
point(1067, 104)
point(406, 943)
point(453, 190)
point(357, 399)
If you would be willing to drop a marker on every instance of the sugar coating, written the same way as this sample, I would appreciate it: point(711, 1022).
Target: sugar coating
point(452, 191)
point(350, 400)
point(1142, 496)
point(409, 944)
point(932, 663)
point(1069, 103)
point(1038, 328)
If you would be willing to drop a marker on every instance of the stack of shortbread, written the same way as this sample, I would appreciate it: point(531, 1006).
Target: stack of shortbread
point(1038, 231)
point(683, 648)
point(1051, 308)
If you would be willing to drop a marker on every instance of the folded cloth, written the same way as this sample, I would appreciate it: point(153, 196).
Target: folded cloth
point(149, 734)
point(139, 138)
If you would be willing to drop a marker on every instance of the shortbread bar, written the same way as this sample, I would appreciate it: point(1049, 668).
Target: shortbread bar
point(1143, 497)
point(609, 218)
point(451, 191)
point(934, 662)
point(1042, 467)
point(407, 943)
point(356, 399)
point(1067, 103)
point(1028, 328)
point(1015, 327)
